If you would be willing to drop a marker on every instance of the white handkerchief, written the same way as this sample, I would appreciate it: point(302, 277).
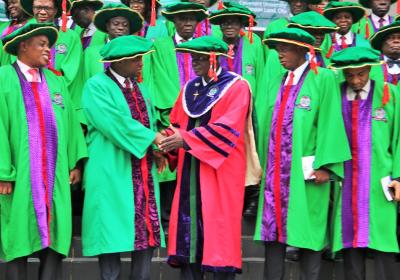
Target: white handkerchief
point(385, 181)
point(308, 167)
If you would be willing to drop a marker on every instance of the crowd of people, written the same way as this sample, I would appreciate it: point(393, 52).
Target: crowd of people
point(177, 120)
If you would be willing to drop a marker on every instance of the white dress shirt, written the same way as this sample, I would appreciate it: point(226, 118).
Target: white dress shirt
point(395, 69)
point(297, 73)
point(179, 39)
point(119, 78)
point(375, 20)
point(89, 31)
point(351, 94)
point(206, 83)
point(25, 71)
point(349, 38)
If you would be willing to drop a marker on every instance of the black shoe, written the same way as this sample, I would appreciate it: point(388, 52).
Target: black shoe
point(251, 201)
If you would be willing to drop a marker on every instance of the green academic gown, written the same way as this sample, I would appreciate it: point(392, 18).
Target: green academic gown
point(377, 151)
point(378, 73)
point(115, 142)
point(317, 130)
point(25, 225)
point(361, 26)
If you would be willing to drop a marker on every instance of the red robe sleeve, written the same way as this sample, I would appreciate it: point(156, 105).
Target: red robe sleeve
point(213, 143)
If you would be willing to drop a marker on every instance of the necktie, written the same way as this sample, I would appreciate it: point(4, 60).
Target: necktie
point(381, 22)
point(231, 53)
point(344, 45)
point(35, 75)
point(127, 84)
point(358, 94)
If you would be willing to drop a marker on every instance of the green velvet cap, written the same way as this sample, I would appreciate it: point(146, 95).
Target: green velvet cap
point(365, 3)
point(26, 5)
point(204, 45)
point(171, 10)
point(312, 20)
point(312, 2)
point(233, 10)
point(212, 2)
point(96, 4)
point(355, 57)
point(125, 47)
point(293, 36)
point(112, 10)
point(354, 9)
point(11, 41)
point(378, 38)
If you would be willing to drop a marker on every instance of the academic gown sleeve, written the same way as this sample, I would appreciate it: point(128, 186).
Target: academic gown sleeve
point(213, 142)
point(395, 147)
point(104, 115)
point(7, 169)
point(332, 147)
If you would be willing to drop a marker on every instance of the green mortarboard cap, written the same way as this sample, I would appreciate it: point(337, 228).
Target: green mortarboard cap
point(312, 20)
point(354, 9)
point(204, 45)
point(212, 2)
point(171, 10)
point(365, 3)
point(233, 9)
point(125, 47)
point(96, 4)
point(112, 10)
point(293, 36)
point(355, 57)
point(11, 41)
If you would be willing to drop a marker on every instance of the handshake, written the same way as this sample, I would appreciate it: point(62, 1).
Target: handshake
point(166, 140)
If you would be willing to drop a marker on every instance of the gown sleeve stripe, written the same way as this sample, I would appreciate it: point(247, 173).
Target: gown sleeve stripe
point(219, 136)
point(209, 143)
point(230, 129)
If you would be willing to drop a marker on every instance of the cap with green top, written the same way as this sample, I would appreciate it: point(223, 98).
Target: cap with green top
point(125, 47)
point(378, 38)
point(335, 7)
point(170, 11)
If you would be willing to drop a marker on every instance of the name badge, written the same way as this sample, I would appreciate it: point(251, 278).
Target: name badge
point(249, 69)
point(380, 115)
point(305, 103)
point(58, 100)
point(61, 49)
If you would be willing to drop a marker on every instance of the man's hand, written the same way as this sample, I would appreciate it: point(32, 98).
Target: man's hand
point(158, 139)
point(173, 142)
point(75, 176)
point(160, 160)
point(396, 189)
point(5, 187)
point(321, 176)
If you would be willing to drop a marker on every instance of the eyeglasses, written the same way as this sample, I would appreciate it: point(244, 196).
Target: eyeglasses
point(230, 24)
point(46, 9)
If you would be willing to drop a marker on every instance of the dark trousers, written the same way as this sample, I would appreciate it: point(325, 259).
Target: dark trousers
point(274, 266)
point(354, 264)
point(193, 272)
point(110, 265)
point(49, 268)
point(167, 190)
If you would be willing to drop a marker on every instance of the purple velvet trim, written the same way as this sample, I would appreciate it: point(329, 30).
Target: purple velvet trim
point(180, 60)
point(204, 30)
point(139, 112)
point(86, 41)
point(376, 28)
point(52, 61)
point(10, 29)
point(390, 77)
point(364, 171)
point(35, 149)
point(228, 128)
point(208, 94)
point(106, 65)
point(209, 143)
point(269, 230)
point(320, 59)
point(237, 60)
point(337, 47)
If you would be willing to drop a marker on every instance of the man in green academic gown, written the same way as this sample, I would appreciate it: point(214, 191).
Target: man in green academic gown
point(121, 209)
point(387, 41)
point(17, 18)
point(378, 18)
point(365, 205)
point(82, 12)
point(301, 144)
point(41, 146)
point(66, 54)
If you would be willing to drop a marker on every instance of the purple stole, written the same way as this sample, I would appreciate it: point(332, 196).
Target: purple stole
point(43, 145)
point(203, 28)
point(274, 218)
point(320, 59)
point(357, 117)
point(147, 225)
point(11, 28)
point(185, 70)
point(390, 78)
point(237, 59)
point(338, 47)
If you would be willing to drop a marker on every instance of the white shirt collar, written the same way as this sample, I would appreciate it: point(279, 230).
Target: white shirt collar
point(24, 69)
point(179, 39)
point(395, 69)
point(89, 31)
point(206, 83)
point(351, 94)
point(297, 73)
point(119, 78)
point(349, 38)
point(375, 19)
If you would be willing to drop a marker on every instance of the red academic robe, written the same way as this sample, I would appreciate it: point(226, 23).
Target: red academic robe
point(217, 143)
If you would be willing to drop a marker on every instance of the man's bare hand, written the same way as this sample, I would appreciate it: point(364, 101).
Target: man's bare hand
point(75, 176)
point(173, 142)
point(160, 160)
point(5, 187)
point(158, 139)
point(321, 176)
point(396, 189)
